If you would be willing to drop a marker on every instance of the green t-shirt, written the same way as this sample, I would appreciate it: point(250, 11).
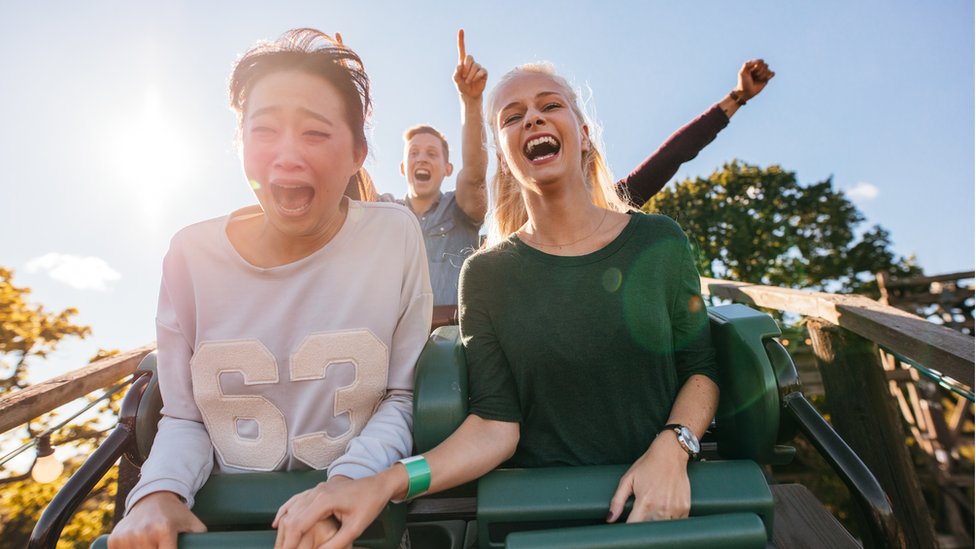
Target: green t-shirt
point(587, 353)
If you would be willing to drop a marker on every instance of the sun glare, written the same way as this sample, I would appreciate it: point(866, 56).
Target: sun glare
point(151, 154)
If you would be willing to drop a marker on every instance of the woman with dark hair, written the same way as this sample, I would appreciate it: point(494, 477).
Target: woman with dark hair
point(287, 331)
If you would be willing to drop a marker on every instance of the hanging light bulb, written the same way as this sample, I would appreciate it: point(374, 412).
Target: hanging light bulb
point(46, 468)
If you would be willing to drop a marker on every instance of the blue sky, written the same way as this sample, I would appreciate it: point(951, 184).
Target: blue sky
point(116, 130)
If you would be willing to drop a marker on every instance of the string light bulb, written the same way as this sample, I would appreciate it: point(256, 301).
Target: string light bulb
point(47, 468)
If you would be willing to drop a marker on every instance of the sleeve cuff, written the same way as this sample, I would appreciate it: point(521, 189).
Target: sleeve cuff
point(351, 470)
point(162, 485)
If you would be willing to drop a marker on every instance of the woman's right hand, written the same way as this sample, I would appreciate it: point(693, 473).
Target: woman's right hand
point(154, 522)
point(353, 503)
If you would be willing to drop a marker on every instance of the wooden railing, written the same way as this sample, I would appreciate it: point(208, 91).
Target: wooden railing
point(937, 347)
point(38, 399)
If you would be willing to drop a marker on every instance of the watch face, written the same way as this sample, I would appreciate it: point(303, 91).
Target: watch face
point(688, 440)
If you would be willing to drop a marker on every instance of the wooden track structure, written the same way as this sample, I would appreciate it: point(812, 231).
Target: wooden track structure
point(854, 340)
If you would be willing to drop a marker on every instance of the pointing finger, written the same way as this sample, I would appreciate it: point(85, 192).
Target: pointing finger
point(460, 46)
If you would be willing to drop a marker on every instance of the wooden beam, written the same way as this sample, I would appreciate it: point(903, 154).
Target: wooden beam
point(936, 347)
point(920, 280)
point(38, 399)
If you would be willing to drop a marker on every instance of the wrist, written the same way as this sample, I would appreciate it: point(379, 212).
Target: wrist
point(471, 101)
point(669, 440)
point(684, 439)
point(395, 482)
point(161, 497)
point(739, 96)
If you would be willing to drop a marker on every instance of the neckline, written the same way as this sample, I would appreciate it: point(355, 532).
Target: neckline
point(571, 260)
point(353, 213)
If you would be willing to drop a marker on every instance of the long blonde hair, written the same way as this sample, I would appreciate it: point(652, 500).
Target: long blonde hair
point(508, 211)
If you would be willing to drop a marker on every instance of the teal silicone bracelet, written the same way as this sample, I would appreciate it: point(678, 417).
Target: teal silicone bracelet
point(419, 473)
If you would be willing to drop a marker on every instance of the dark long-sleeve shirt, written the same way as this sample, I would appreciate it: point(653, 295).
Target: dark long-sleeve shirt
point(657, 169)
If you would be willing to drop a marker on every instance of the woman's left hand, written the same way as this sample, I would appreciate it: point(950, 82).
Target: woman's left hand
point(658, 482)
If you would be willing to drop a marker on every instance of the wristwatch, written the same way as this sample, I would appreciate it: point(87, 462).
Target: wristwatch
point(686, 439)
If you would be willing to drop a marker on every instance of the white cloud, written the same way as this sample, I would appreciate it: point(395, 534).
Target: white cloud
point(863, 191)
point(83, 273)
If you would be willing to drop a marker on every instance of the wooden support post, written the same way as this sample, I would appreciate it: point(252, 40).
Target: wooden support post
point(863, 413)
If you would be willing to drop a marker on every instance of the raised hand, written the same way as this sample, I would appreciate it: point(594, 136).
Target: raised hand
point(469, 77)
point(753, 77)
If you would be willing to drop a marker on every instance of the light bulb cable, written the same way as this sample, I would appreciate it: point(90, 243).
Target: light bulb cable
point(48, 432)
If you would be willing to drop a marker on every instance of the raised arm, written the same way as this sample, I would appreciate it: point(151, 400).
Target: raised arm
point(470, 79)
point(685, 144)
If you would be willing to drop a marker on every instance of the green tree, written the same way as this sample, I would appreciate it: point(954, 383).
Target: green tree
point(760, 225)
point(28, 333)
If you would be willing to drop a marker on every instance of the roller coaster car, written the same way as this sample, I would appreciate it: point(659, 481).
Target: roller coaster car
point(761, 408)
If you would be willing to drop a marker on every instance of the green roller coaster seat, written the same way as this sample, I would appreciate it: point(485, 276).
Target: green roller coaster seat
point(511, 500)
point(729, 531)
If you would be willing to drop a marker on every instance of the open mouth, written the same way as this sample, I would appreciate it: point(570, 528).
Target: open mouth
point(422, 175)
point(292, 199)
point(541, 148)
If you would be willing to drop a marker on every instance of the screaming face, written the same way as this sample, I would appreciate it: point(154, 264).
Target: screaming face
point(425, 165)
point(540, 137)
point(298, 151)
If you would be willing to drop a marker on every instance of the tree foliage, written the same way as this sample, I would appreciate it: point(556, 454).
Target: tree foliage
point(761, 225)
point(28, 333)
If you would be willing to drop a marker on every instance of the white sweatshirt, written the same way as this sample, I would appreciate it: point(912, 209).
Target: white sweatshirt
point(305, 365)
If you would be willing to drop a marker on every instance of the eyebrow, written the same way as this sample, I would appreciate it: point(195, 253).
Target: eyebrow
point(538, 95)
point(307, 112)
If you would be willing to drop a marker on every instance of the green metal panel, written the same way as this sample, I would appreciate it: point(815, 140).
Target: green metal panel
point(440, 401)
point(749, 409)
point(511, 500)
point(731, 531)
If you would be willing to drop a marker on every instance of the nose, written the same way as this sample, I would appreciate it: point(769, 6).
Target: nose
point(288, 155)
point(533, 119)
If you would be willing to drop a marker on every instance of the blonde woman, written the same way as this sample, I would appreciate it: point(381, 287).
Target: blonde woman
point(584, 331)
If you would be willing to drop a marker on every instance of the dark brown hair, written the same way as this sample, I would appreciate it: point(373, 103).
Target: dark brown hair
point(315, 53)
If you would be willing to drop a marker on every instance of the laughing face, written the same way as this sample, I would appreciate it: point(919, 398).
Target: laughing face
point(298, 151)
point(424, 165)
point(540, 137)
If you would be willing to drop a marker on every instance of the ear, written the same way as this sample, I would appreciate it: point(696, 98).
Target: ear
point(403, 170)
point(502, 165)
point(585, 139)
point(449, 170)
point(359, 154)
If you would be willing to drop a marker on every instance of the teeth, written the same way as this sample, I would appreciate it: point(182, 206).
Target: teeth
point(546, 139)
